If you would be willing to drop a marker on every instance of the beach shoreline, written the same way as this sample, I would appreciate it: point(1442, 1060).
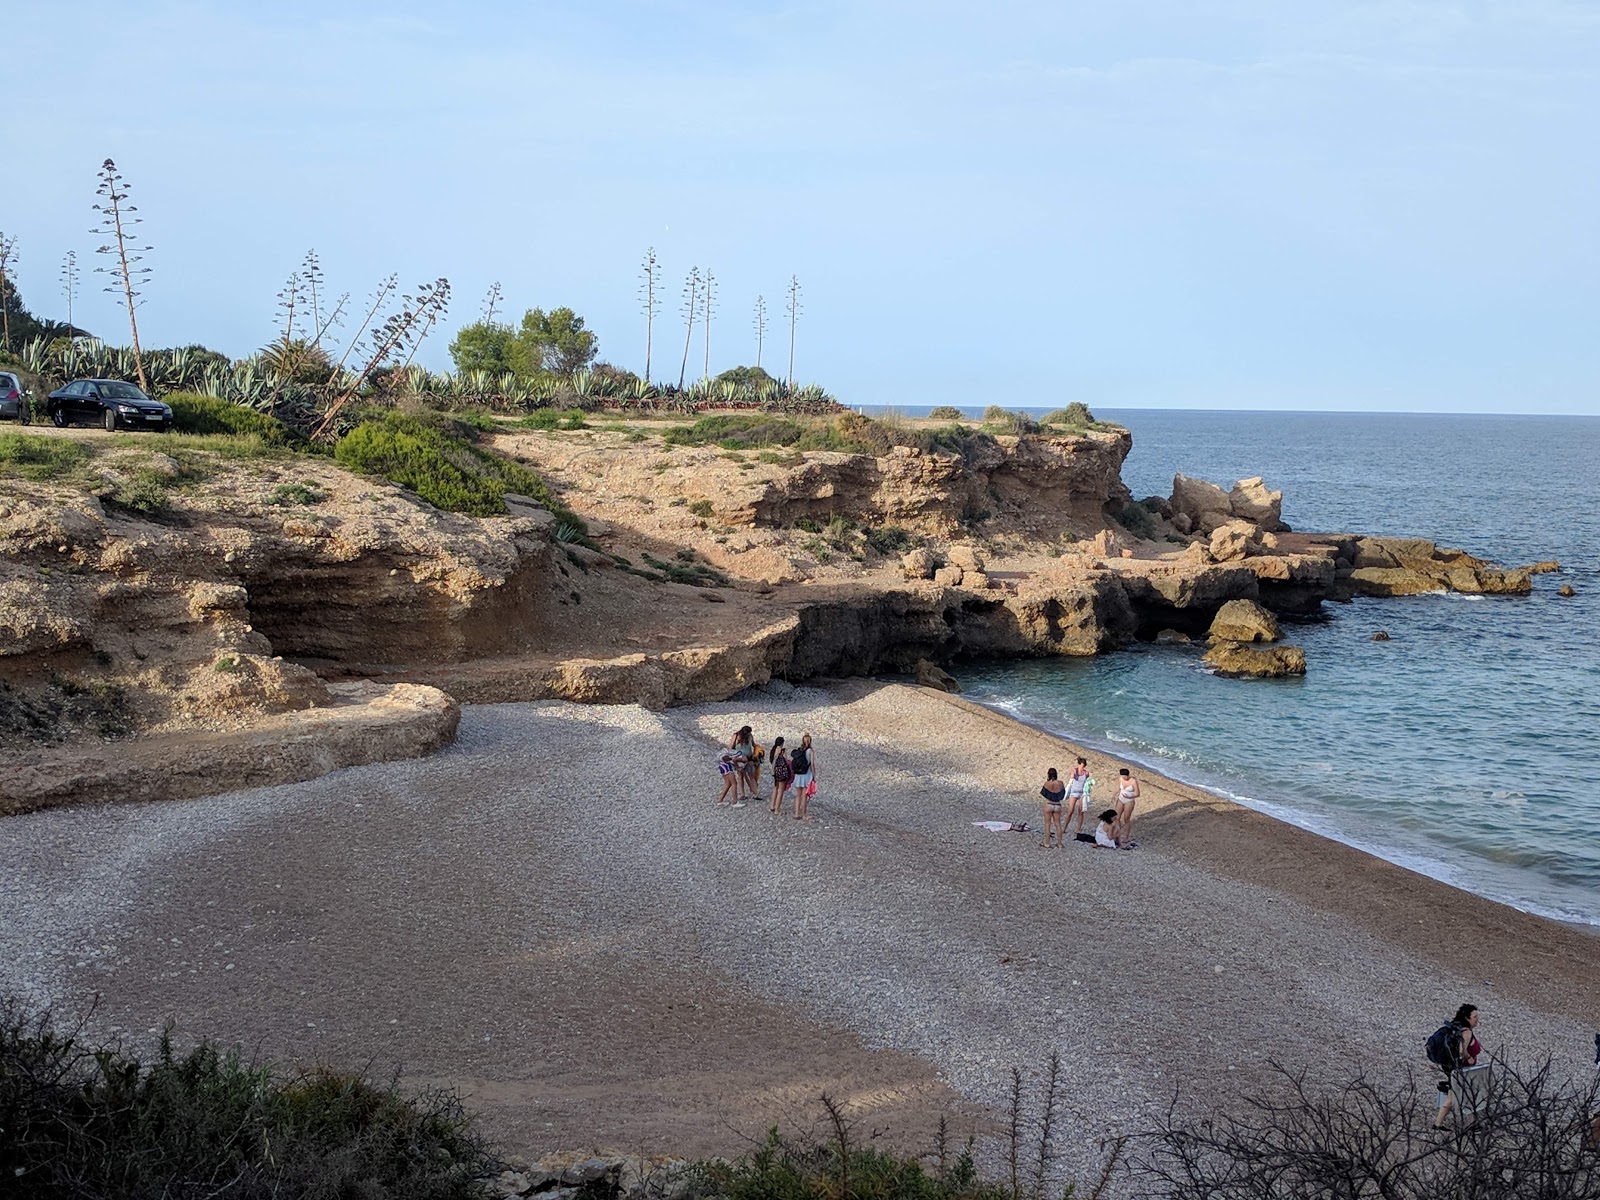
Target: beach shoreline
point(554, 916)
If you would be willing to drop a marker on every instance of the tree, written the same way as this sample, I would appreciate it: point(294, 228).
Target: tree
point(484, 346)
point(691, 293)
point(8, 255)
point(116, 222)
point(554, 342)
point(761, 326)
point(650, 293)
point(794, 316)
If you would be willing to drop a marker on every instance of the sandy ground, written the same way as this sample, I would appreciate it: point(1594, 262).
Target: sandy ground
point(553, 916)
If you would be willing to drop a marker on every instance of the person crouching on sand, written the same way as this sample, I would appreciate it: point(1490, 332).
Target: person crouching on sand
point(1127, 794)
point(1105, 833)
point(1078, 792)
point(1055, 821)
point(782, 775)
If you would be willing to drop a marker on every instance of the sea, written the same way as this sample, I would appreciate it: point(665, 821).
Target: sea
point(1467, 746)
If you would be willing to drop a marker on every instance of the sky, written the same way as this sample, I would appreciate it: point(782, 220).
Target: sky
point(1256, 204)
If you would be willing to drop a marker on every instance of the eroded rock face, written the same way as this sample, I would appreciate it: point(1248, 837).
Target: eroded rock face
point(1244, 621)
point(1233, 540)
point(1412, 566)
point(1251, 500)
point(1242, 660)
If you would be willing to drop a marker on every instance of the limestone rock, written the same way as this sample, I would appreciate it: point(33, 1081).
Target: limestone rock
point(1182, 523)
point(1566, 589)
point(1104, 544)
point(1244, 621)
point(1173, 637)
point(1242, 660)
point(949, 576)
point(1547, 567)
point(1232, 540)
point(919, 563)
point(965, 557)
point(1381, 636)
point(1204, 503)
point(978, 581)
point(1250, 500)
point(931, 676)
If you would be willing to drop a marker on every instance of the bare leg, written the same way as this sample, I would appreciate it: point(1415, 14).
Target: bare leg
point(730, 783)
point(800, 802)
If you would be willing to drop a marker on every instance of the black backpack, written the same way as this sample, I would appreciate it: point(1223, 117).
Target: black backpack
point(1443, 1046)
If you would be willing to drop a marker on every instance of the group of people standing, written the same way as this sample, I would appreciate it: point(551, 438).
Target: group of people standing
point(793, 772)
point(1069, 800)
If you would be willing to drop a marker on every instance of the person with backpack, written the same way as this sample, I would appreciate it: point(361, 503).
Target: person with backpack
point(782, 775)
point(1454, 1049)
point(804, 762)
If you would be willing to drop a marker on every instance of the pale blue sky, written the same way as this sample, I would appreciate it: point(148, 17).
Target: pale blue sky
point(1136, 203)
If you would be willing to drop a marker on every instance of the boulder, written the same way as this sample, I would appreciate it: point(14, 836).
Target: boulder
point(919, 563)
point(1244, 621)
point(1182, 523)
point(1381, 636)
point(1233, 540)
point(1104, 544)
point(1242, 660)
point(978, 581)
point(965, 557)
point(1205, 504)
point(1173, 637)
point(948, 576)
point(931, 676)
point(1547, 567)
point(1250, 500)
point(1566, 589)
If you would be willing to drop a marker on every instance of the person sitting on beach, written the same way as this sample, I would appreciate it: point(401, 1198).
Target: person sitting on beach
point(804, 762)
point(743, 745)
point(1127, 793)
point(1105, 833)
point(1078, 792)
point(730, 779)
point(1054, 791)
point(782, 775)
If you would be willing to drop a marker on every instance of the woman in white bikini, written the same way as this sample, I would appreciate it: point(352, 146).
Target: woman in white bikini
point(1127, 793)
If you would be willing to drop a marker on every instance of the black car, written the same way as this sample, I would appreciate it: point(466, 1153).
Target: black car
point(108, 402)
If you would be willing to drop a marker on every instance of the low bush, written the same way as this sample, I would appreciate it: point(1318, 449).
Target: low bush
point(39, 457)
point(888, 539)
point(996, 412)
point(945, 412)
point(553, 418)
point(436, 458)
point(1137, 519)
point(97, 1123)
point(194, 413)
point(1075, 416)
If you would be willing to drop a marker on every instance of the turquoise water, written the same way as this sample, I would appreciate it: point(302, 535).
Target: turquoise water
point(1468, 746)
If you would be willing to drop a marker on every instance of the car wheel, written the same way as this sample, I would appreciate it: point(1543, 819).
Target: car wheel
point(58, 418)
point(110, 421)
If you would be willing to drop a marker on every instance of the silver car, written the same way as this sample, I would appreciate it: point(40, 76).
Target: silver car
point(15, 402)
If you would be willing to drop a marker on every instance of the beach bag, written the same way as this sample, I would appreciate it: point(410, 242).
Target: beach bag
point(811, 789)
point(1443, 1046)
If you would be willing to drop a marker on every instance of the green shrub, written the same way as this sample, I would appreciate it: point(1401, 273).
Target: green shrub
point(945, 412)
point(1137, 519)
point(435, 458)
point(888, 539)
point(1074, 416)
point(286, 494)
point(701, 508)
point(39, 457)
point(145, 491)
point(552, 418)
point(97, 1123)
point(996, 413)
point(737, 431)
point(194, 413)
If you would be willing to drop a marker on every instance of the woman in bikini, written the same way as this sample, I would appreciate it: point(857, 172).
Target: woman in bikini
point(1077, 792)
point(1054, 791)
point(1127, 793)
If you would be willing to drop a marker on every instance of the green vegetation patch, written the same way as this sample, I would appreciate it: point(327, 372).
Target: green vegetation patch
point(95, 1121)
point(945, 412)
point(1074, 418)
point(39, 457)
point(549, 419)
point(437, 459)
point(194, 413)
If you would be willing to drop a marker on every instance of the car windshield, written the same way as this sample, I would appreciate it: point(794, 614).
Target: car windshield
point(121, 391)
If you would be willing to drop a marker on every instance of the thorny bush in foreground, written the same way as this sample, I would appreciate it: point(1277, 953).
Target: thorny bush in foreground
point(96, 1124)
point(1529, 1140)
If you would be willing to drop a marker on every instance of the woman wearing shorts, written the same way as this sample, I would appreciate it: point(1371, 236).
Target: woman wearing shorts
point(1078, 793)
point(804, 763)
point(1054, 792)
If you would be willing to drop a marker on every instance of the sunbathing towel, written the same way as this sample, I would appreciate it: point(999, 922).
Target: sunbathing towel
point(1003, 826)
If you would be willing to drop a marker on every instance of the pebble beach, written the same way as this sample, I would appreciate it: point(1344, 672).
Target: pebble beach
point(553, 916)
